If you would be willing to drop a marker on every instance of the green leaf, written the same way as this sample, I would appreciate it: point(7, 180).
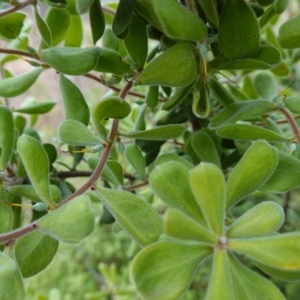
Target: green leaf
point(135, 215)
point(134, 155)
point(71, 60)
point(123, 17)
point(263, 219)
point(34, 252)
point(249, 285)
point(280, 6)
point(97, 20)
point(160, 133)
point(6, 212)
point(136, 41)
point(278, 251)
point(211, 11)
point(176, 190)
point(167, 157)
point(222, 95)
point(265, 2)
point(75, 33)
point(247, 132)
point(11, 25)
point(14, 86)
point(71, 222)
point(57, 3)
point(75, 105)
point(177, 97)
point(146, 9)
point(277, 273)
point(240, 111)
point(239, 32)
point(201, 103)
point(167, 11)
point(36, 108)
point(210, 194)
point(152, 97)
point(112, 107)
point(164, 271)
point(36, 163)
point(110, 61)
point(83, 6)
point(28, 191)
point(189, 229)
point(11, 283)
point(220, 284)
point(176, 67)
point(75, 133)
point(42, 26)
point(286, 175)
point(293, 104)
point(252, 171)
point(265, 85)
point(289, 34)
point(113, 172)
point(266, 58)
point(205, 148)
point(7, 136)
point(59, 21)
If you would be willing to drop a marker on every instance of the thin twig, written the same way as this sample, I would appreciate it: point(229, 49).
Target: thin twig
point(291, 120)
point(136, 186)
point(17, 7)
point(108, 10)
point(18, 53)
point(114, 88)
point(71, 174)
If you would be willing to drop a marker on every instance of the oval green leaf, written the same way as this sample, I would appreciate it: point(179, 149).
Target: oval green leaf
point(172, 16)
point(34, 252)
point(75, 133)
point(75, 105)
point(71, 60)
point(289, 34)
point(36, 108)
point(176, 67)
point(97, 20)
point(7, 136)
point(210, 194)
point(134, 155)
point(239, 32)
point(240, 111)
point(247, 132)
point(164, 271)
point(42, 27)
point(189, 229)
point(11, 24)
point(134, 214)
point(160, 133)
point(36, 163)
point(252, 171)
point(70, 223)
point(263, 219)
point(14, 86)
point(279, 251)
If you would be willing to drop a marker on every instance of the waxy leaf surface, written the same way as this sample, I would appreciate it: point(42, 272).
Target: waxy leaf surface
point(70, 223)
point(251, 172)
point(136, 216)
point(208, 186)
point(34, 252)
point(176, 67)
point(173, 266)
point(263, 219)
point(36, 162)
point(176, 190)
point(168, 11)
point(75, 133)
point(14, 86)
point(71, 60)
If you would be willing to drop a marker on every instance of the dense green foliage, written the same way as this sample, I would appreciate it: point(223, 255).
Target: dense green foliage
point(191, 160)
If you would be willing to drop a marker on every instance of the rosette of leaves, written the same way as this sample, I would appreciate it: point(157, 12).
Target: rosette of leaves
point(196, 222)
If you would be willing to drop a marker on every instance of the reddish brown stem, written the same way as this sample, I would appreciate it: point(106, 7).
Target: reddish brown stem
point(18, 52)
point(17, 7)
point(292, 123)
point(8, 237)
